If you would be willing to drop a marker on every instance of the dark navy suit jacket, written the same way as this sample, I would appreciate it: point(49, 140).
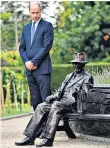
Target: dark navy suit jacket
point(38, 51)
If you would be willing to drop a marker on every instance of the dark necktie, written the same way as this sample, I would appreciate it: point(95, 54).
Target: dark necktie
point(32, 31)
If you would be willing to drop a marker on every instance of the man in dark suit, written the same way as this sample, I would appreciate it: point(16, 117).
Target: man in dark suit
point(56, 105)
point(35, 45)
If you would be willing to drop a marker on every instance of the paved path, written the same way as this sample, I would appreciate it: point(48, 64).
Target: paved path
point(11, 130)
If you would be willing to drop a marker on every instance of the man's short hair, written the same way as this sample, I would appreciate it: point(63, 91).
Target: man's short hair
point(37, 2)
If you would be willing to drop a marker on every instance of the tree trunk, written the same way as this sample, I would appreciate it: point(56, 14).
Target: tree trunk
point(8, 99)
point(22, 96)
point(2, 103)
point(15, 97)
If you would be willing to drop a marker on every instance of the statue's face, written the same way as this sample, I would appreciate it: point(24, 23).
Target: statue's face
point(78, 67)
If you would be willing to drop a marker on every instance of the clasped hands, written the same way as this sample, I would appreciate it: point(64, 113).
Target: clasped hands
point(30, 65)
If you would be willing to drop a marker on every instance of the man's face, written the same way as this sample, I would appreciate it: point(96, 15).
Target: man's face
point(35, 12)
point(106, 37)
point(78, 67)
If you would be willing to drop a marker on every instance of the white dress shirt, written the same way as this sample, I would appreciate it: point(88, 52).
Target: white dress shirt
point(36, 24)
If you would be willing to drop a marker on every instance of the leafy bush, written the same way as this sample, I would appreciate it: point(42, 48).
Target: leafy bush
point(11, 58)
point(15, 87)
point(107, 59)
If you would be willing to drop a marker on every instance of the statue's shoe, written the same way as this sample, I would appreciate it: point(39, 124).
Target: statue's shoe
point(25, 141)
point(45, 142)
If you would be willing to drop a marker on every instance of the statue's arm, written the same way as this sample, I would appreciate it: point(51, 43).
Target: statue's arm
point(56, 94)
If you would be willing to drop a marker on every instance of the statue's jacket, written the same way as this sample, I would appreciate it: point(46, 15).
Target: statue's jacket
point(82, 81)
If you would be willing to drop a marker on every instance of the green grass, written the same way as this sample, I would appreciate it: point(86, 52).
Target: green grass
point(12, 111)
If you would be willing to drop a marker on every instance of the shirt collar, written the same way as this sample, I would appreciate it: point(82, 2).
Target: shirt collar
point(37, 21)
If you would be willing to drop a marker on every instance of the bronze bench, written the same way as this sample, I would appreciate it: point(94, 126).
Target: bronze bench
point(102, 115)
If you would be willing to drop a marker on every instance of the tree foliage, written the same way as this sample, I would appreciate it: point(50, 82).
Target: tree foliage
point(80, 27)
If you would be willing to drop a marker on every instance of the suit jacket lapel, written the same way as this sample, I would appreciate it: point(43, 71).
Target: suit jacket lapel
point(66, 83)
point(29, 33)
point(76, 80)
point(37, 31)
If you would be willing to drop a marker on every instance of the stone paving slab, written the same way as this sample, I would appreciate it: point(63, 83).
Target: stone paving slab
point(11, 130)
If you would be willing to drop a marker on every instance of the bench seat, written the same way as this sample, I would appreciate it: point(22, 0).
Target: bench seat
point(103, 117)
point(78, 116)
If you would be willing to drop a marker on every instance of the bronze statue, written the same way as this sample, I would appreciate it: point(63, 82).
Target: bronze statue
point(57, 104)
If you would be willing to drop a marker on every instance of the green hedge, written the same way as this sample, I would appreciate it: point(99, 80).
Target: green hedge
point(12, 58)
point(100, 71)
point(15, 83)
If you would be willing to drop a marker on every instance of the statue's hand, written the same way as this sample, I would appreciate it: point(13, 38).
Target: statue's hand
point(49, 99)
point(53, 97)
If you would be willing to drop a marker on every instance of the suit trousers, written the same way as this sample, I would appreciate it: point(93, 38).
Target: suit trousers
point(39, 85)
point(51, 113)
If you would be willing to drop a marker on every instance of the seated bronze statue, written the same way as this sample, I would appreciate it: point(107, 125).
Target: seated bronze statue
point(58, 104)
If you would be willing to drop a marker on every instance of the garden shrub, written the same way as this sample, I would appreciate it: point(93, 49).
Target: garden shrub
point(15, 83)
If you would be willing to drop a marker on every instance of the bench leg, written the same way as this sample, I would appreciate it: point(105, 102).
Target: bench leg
point(68, 130)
